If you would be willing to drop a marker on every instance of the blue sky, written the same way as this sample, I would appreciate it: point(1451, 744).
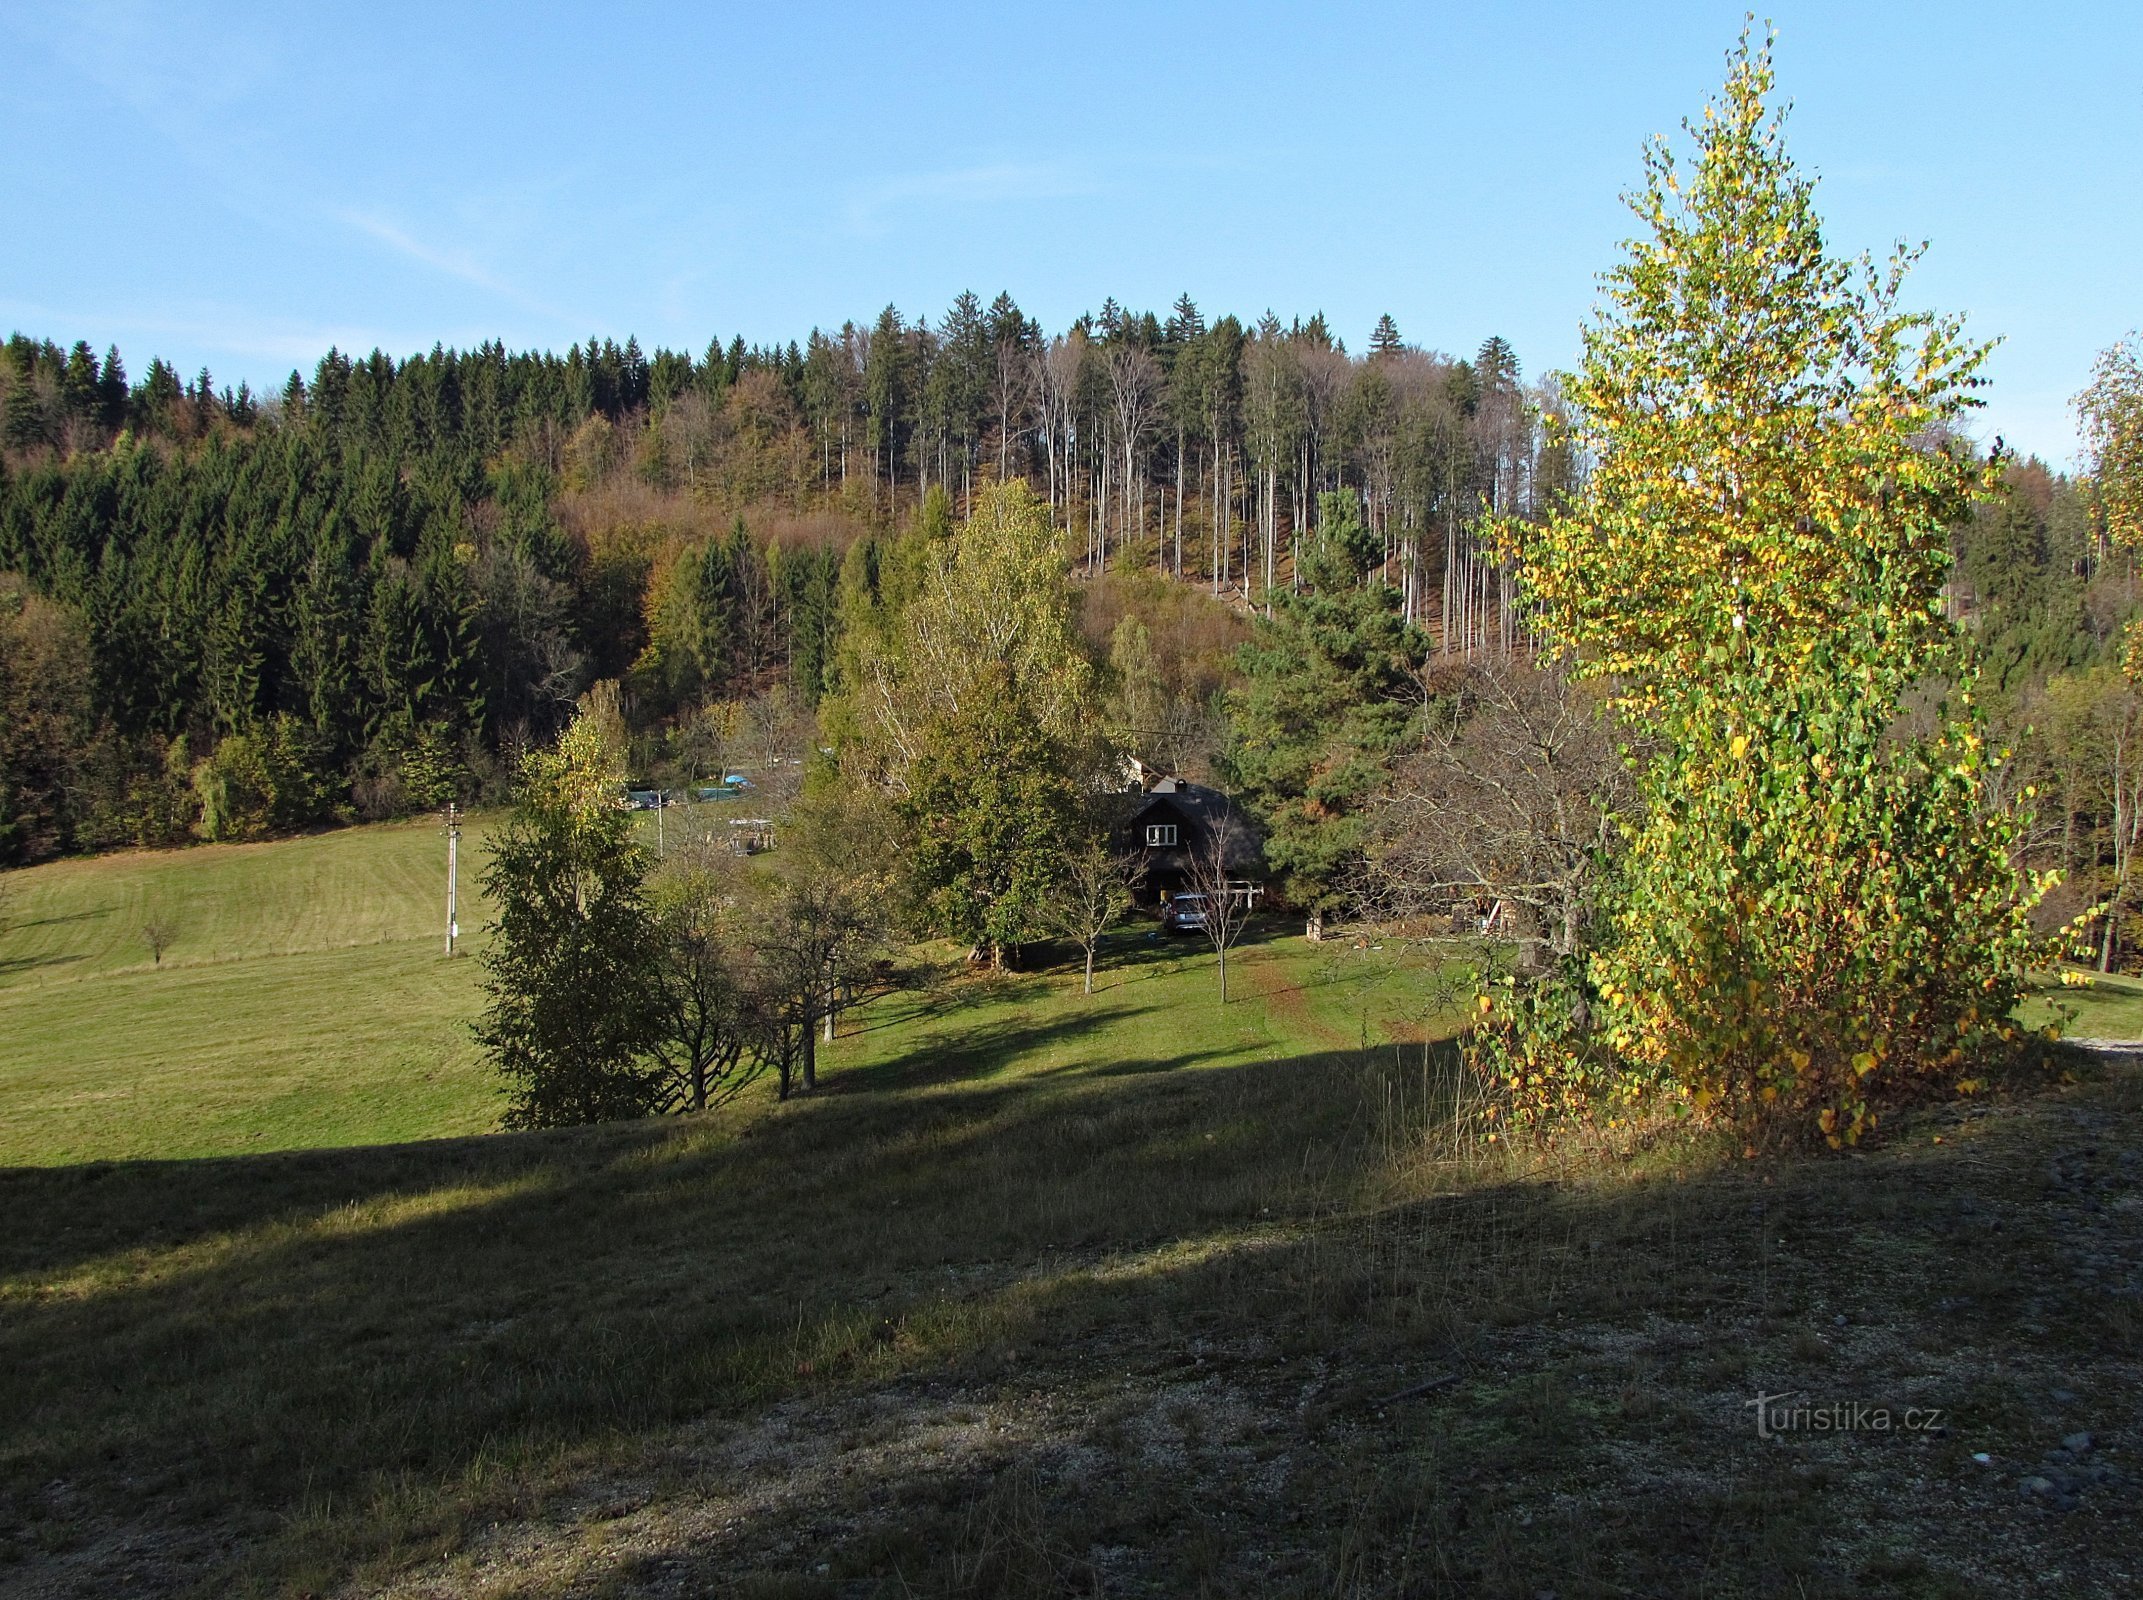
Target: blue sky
point(239, 186)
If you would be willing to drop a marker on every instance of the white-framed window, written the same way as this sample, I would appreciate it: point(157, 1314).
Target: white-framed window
point(1162, 834)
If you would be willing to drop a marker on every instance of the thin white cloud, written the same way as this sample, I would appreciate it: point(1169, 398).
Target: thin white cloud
point(869, 211)
point(452, 263)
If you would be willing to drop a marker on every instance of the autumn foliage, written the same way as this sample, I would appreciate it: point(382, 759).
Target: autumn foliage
point(1813, 912)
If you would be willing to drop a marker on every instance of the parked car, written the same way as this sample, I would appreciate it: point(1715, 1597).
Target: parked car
point(731, 787)
point(1184, 913)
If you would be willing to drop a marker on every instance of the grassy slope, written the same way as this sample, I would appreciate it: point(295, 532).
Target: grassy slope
point(1076, 1326)
point(303, 1001)
point(1041, 1295)
point(2110, 1008)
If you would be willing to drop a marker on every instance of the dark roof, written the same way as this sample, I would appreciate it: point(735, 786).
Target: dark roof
point(1201, 810)
point(1192, 800)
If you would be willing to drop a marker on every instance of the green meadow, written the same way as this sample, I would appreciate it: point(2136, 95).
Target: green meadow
point(1042, 1294)
point(304, 1001)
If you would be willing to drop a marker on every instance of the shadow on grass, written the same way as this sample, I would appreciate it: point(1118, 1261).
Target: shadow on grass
point(198, 1338)
point(89, 915)
point(34, 963)
point(324, 1359)
point(975, 1049)
point(13, 964)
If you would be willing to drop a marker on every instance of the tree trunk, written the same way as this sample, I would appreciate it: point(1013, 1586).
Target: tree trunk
point(1212, 496)
point(1271, 532)
point(1179, 502)
point(1108, 460)
point(1089, 969)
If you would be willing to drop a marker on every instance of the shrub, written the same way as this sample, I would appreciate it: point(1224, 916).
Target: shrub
point(235, 789)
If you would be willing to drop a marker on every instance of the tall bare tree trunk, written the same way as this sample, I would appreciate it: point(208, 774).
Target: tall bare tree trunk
point(1179, 503)
point(1108, 459)
point(1271, 530)
point(1219, 528)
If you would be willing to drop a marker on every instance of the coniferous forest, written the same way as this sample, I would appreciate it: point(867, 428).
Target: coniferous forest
point(364, 595)
point(231, 615)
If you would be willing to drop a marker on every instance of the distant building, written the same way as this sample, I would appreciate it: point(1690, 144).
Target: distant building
point(1172, 822)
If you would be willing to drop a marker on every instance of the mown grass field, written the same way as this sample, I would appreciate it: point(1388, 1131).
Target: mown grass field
point(2110, 1007)
point(1041, 1295)
point(303, 1000)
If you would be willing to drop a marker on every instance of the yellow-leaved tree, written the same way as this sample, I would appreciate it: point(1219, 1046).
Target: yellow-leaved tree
point(1812, 912)
point(2110, 411)
point(975, 717)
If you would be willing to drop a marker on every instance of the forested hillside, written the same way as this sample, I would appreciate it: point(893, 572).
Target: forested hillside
point(233, 614)
point(226, 615)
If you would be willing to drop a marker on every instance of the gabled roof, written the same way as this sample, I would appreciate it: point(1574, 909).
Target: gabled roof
point(1201, 810)
point(1192, 800)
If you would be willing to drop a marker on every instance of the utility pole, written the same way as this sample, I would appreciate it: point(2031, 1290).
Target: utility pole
point(453, 868)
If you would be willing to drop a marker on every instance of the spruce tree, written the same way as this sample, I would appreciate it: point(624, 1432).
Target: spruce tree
point(573, 969)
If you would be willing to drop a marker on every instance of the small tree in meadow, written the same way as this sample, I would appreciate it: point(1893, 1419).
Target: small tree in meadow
point(811, 937)
point(1227, 902)
point(703, 1048)
point(1092, 893)
point(574, 967)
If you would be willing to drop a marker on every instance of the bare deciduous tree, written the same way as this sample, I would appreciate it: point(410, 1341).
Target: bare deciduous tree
point(1512, 802)
point(157, 933)
point(1093, 893)
point(704, 1048)
point(1134, 394)
point(1056, 379)
point(1211, 871)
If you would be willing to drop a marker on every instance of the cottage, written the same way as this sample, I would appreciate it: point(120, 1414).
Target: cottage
point(1171, 827)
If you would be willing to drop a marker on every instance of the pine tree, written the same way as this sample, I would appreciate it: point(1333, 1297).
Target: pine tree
point(112, 390)
point(81, 385)
point(1330, 693)
point(1186, 323)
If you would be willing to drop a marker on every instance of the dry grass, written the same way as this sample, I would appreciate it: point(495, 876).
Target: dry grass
point(956, 1329)
point(1042, 1296)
